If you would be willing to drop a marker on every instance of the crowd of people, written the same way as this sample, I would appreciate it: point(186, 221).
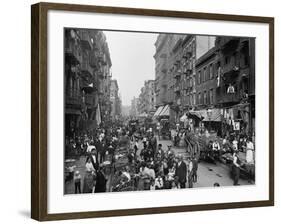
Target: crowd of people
point(150, 167)
point(156, 169)
point(146, 164)
point(239, 149)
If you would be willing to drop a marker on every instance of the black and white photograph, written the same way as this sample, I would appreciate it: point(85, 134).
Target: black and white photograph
point(157, 111)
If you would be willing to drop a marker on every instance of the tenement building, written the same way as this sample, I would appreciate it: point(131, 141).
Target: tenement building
point(225, 87)
point(146, 100)
point(115, 100)
point(87, 79)
point(235, 89)
point(175, 71)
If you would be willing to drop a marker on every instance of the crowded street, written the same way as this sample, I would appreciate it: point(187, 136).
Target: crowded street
point(208, 174)
point(174, 111)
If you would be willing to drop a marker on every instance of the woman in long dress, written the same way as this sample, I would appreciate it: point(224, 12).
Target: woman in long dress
point(182, 140)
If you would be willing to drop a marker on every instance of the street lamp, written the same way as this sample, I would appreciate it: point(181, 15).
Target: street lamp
point(209, 114)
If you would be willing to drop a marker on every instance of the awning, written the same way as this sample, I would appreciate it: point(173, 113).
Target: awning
point(143, 115)
point(165, 111)
point(196, 113)
point(89, 88)
point(215, 115)
point(158, 111)
point(183, 118)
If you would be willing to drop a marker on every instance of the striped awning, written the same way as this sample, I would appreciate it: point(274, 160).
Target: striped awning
point(165, 111)
point(158, 111)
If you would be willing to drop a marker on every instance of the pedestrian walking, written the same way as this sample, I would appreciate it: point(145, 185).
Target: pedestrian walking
point(250, 161)
point(236, 168)
point(190, 173)
point(181, 171)
point(94, 159)
point(216, 149)
point(160, 153)
point(77, 182)
point(89, 165)
point(194, 168)
point(100, 181)
point(153, 142)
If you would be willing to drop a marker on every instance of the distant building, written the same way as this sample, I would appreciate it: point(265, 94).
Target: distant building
point(134, 107)
point(146, 101)
point(125, 110)
point(115, 99)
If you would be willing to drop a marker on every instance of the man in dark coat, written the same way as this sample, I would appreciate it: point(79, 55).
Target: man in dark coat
point(153, 143)
point(94, 159)
point(100, 182)
point(181, 171)
point(159, 155)
point(99, 148)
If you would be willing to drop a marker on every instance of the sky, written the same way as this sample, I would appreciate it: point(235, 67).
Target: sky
point(132, 61)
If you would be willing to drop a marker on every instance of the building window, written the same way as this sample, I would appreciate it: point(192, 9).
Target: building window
point(204, 75)
point(226, 60)
point(207, 73)
point(199, 98)
point(211, 71)
point(211, 96)
point(199, 78)
point(194, 99)
point(205, 97)
point(191, 99)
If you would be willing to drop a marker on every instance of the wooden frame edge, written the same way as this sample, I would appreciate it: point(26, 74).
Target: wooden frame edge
point(35, 190)
point(271, 111)
point(39, 110)
point(154, 12)
point(155, 210)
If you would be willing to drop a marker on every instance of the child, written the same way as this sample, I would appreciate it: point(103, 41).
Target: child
point(77, 182)
point(152, 185)
point(158, 182)
point(174, 185)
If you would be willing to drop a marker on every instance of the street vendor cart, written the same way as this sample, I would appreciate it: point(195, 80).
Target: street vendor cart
point(124, 172)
